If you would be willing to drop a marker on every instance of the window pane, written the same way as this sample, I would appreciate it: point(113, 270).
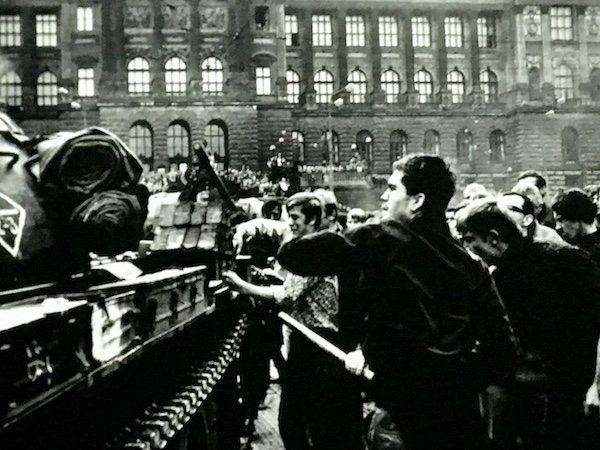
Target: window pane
point(355, 31)
point(489, 86)
point(388, 31)
point(456, 85)
point(138, 76)
point(85, 18)
point(323, 82)
point(140, 141)
point(431, 142)
point(390, 83)
point(486, 32)
point(212, 76)
point(293, 86)
point(561, 23)
point(359, 82)
point(453, 32)
point(216, 141)
point(398, 145)
point(178, 141)
point(291, 31)
point(10, 89)
point(497, 146)
point(85, 82)
point(175, 76)
point(424, 86)
point(421, 32)
point(321, 31)
point(47, 89)
point(46, 30)
point(563, 82)
point(263, 81)
point(10, 31)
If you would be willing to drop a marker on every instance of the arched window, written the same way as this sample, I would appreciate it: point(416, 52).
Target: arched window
point(398, 145)
point(140, 143)
point(10, 89)
point(431, 142)
point(293, 86)
point(298, 146)
point(464, 145)
point(534, 80)
point(424, 86)
point(489, 85)
point(138, 76)
point(359, 83)
point(497, 143)
point(175, 76)
point(456, 85)
point(364, 146)
point(595, 84)
point(390, 83)
point(323, 82)
point(563, 82)
point(216, 137)
point(178, 142)
point(570, 144)
point(47, 89)
point(335, 145)
point(213, 76)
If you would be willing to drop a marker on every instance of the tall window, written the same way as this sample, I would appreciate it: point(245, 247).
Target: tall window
point(261, 17)
point(390, 83)
point(175, 76)
point(388, 31)
point(456, 85)
point(46, 30)
point(464, 145)
point(561, 23)
point(11, 91)
point(424, 86)
point(563, 82)
point(486, 32)
point(431, 142)
point(453, 30)
point(489, 85)
point(298, 152)
point(212, 76)
point(85, 82)
point(359, 82)
point(292, 38)
point(398, 145)
point(497, 143)
point(85, 18)
point(215, 134)
point(321, 31)
point(595, 84)
point(47, 89)
point(570, 144)
point(323, 82)
point(263, 81)
point(335, 146)
point(421, 31)
point(138, 76)
point(364, 145)
point(355, 31)
point(534, 80)
point(178, 141)
point(293, 86)
point(10, 30)
point(140, 142)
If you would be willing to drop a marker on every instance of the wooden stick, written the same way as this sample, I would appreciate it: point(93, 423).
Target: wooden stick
point(320, 341)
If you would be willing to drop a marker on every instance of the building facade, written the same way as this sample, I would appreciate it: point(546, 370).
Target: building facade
point(495, 87)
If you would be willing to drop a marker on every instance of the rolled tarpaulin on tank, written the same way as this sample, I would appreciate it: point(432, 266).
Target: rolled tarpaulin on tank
point(80, 164)
point(111, 222)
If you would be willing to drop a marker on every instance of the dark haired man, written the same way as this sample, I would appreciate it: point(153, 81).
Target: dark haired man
point(544, 216)
point(421, 303)
point(575, 214)
point(552, 294)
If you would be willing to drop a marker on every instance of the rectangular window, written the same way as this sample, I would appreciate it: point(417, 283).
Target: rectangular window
point(261, 17)
point(263, 81)
point(355, 31)
point(10, 31)
point(453, 32)
point(85, 18)
point(486, 32)
point(421, 32)
point(292, 39)
point(561, 23)
point(85, 82)
point(388, 31)
point(321, 31)
point(46, 30)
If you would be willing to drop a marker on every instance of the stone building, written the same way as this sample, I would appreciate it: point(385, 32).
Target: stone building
point(495, 86)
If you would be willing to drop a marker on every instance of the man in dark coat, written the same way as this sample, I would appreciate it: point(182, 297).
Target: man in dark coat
point(552, 295)
point(419, 306)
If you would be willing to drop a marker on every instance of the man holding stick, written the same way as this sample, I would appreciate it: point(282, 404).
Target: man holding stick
point(430, 326)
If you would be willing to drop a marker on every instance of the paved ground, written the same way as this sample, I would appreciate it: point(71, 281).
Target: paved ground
point(266, 425)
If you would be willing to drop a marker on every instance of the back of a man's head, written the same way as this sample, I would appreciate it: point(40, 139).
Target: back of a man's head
point(482, 216)
point(537, 177)
point(575, 205)
point(329, 202)
point(473, 191)
point(531, 191)
point(429, 175)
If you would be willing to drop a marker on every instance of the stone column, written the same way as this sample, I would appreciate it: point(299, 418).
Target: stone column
point(377, 95)
point(547, 85)
point(339, 32)
point(584, 63)
point(307, 55)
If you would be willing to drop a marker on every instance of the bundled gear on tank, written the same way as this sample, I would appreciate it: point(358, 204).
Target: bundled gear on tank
point(63, 196)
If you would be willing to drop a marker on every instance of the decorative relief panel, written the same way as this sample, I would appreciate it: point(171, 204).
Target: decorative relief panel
point(592, 19)
point(567, 58)
point(176, 15)
point(532, 20)
point(594, 61)
point(213, 18)
point(534, 61)
point(138, 14)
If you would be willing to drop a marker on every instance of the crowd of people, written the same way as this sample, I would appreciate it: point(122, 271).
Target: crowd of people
point(480, 323)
